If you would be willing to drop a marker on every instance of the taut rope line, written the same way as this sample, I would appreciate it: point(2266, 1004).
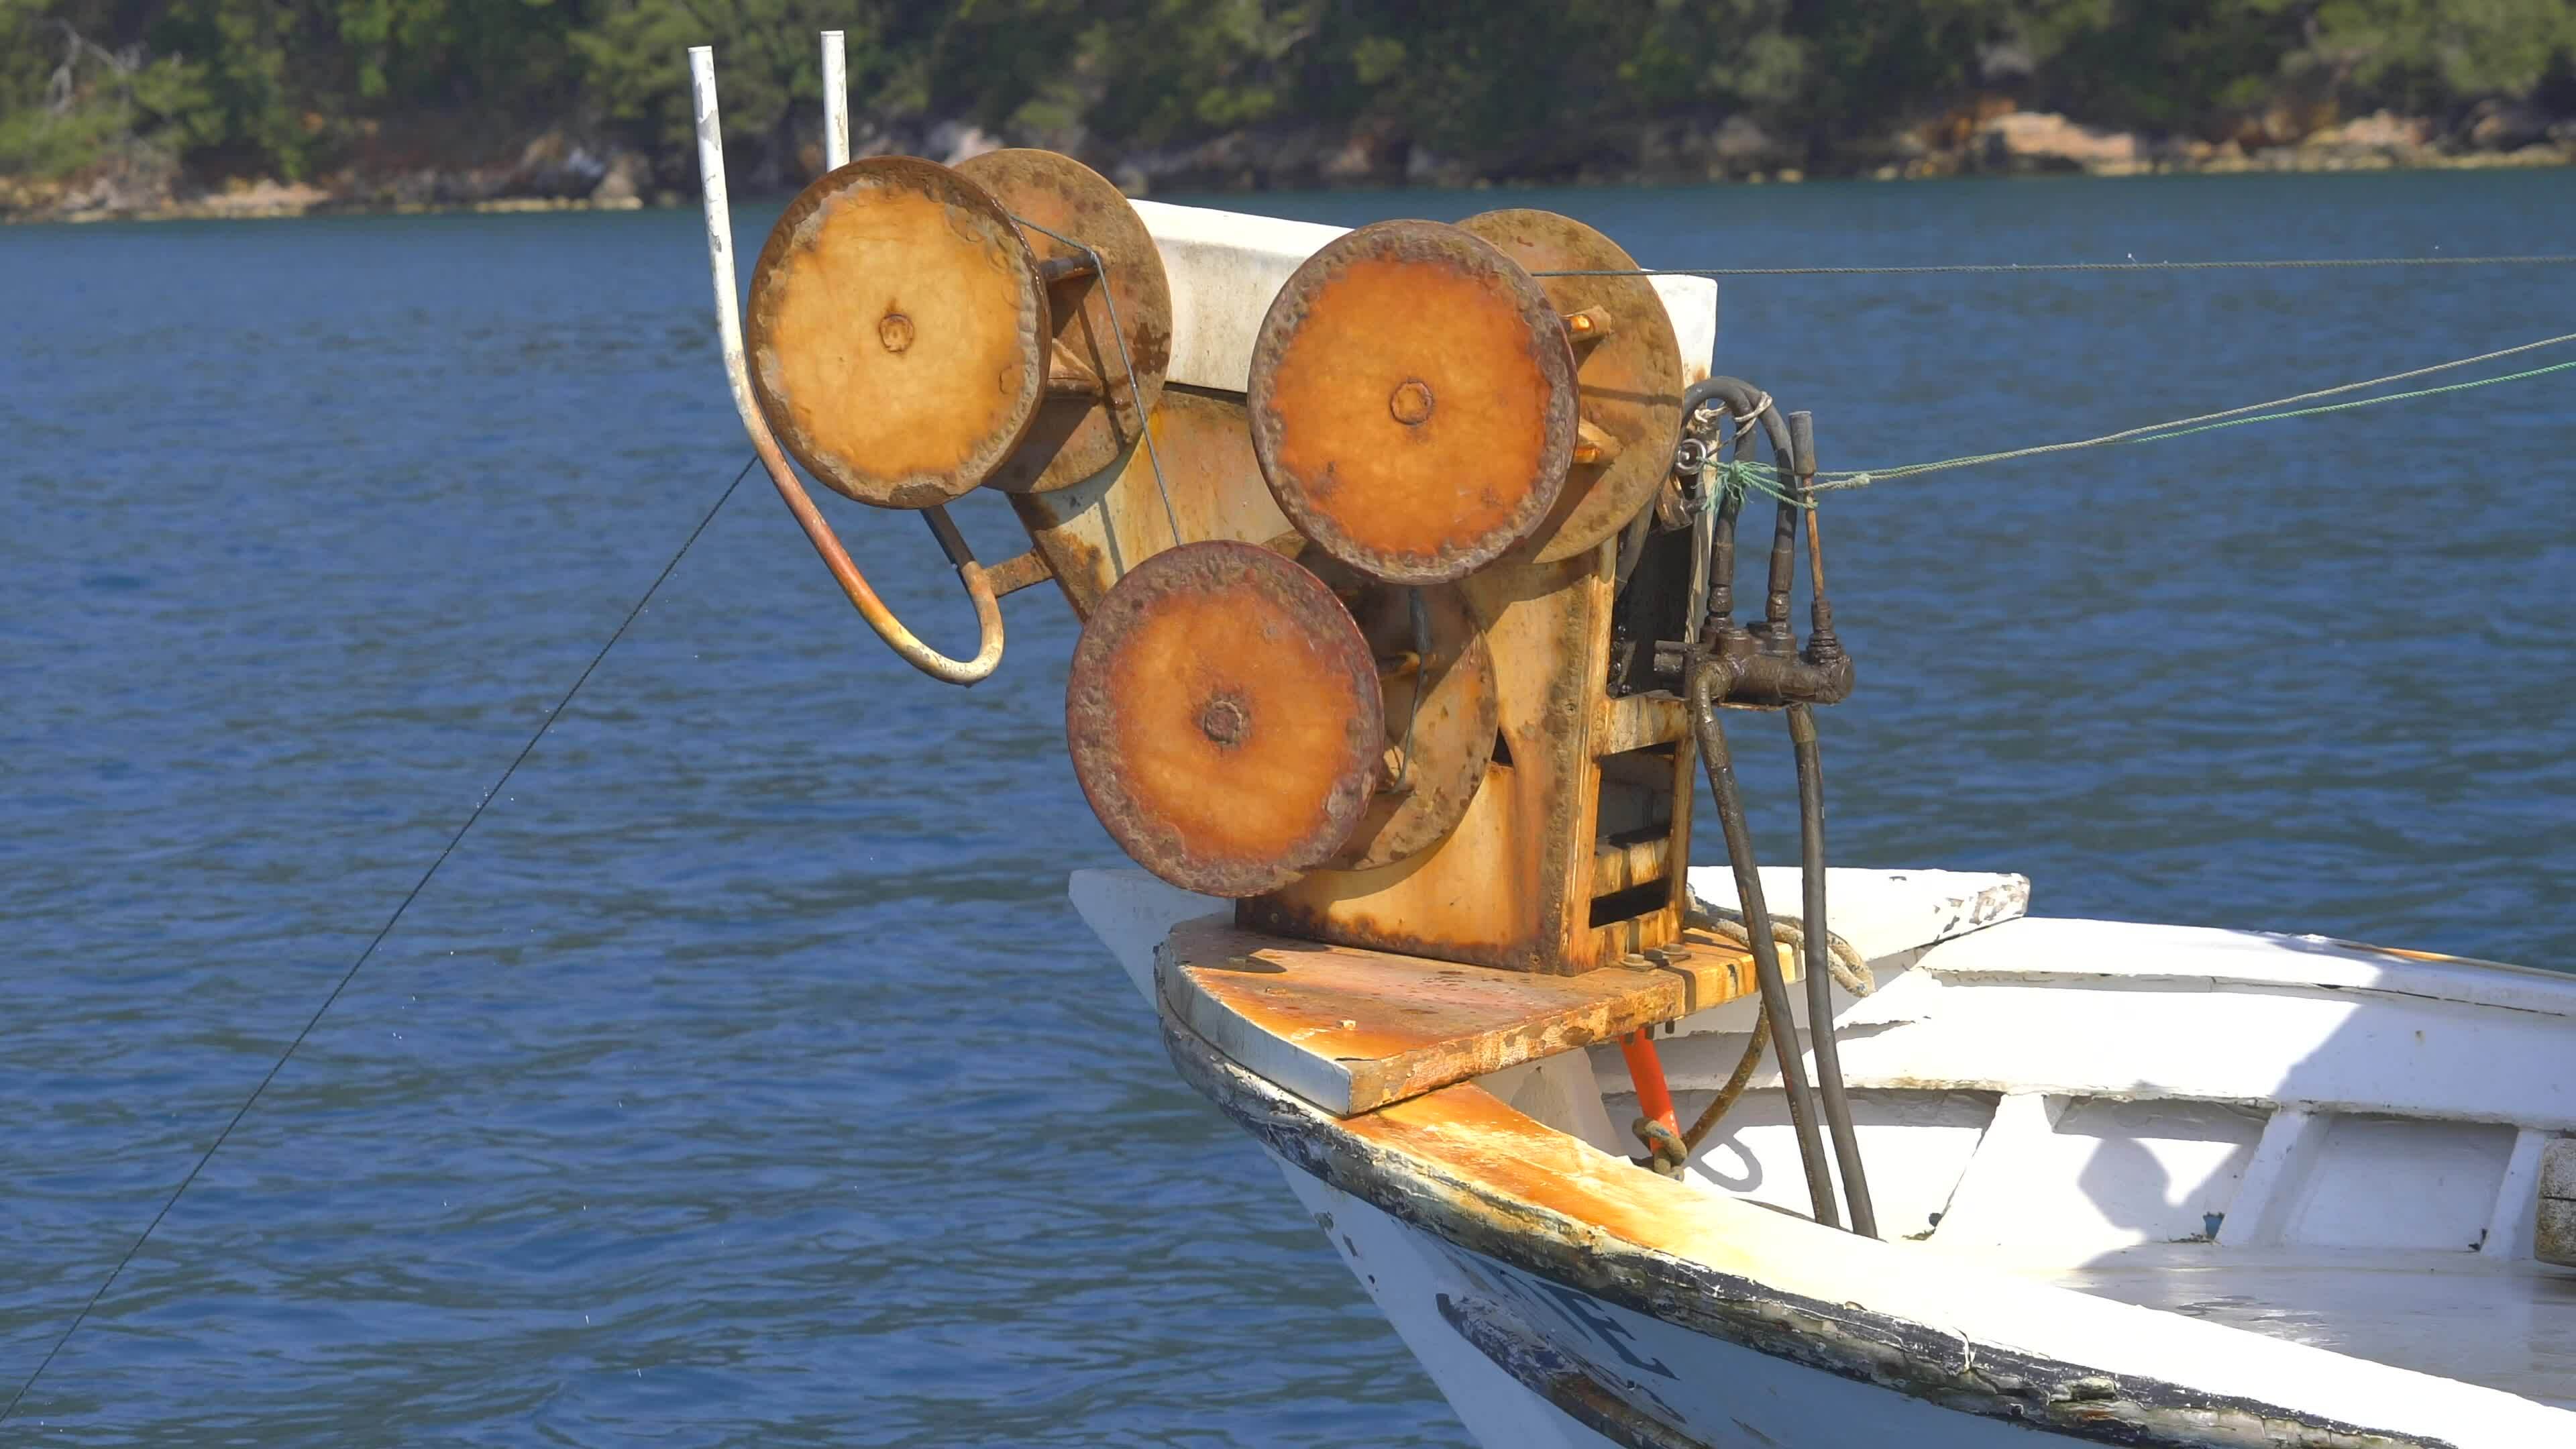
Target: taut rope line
point(2295, 264)
point(387, 929)
point(1743, 477)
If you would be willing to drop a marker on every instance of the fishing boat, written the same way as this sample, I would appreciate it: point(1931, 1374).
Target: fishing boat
point(1406, 561)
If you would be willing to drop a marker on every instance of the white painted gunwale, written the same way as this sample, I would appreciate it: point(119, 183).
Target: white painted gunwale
point(2121, 1010)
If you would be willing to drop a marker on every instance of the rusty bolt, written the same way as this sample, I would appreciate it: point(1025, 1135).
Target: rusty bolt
point(1224, 721)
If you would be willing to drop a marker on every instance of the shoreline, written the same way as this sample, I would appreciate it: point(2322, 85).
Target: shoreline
point(2019, 145)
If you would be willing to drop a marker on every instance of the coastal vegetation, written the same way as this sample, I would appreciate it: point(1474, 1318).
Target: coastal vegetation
point(136, 105)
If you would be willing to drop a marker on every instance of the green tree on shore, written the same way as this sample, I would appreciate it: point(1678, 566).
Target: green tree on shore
point(1519, 87)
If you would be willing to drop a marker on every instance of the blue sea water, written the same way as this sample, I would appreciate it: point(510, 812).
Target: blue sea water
point(744, 1077)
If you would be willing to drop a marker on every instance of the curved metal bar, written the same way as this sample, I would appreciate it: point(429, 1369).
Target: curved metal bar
point(1743, 397)
point(1746, 401)
point(845, 572)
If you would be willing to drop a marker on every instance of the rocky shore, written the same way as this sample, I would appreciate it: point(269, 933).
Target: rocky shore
point(553, 171)
point(561, 169)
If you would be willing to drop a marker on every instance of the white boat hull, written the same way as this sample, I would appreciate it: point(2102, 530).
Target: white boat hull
point(1681, 1388)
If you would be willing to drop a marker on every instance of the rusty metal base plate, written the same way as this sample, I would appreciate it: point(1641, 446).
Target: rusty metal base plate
point(1352, 1030)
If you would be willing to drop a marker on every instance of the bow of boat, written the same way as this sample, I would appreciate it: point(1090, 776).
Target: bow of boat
point(2030, 1079)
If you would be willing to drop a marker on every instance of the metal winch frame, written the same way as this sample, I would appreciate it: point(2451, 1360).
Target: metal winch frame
point(1406, 647)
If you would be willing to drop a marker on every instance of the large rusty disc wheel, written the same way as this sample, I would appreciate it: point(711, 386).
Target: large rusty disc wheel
point(896, 332)
point(1224, 720)
point(1628, 371)
point(1436, 682)
point(1413, 403)
point(1091, 413)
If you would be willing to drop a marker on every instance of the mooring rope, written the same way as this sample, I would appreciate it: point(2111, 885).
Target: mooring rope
point(387, 929)
point(1743, 477)
point(2019, 268)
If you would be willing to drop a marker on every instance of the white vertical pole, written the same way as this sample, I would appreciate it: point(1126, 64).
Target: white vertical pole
point(711, 180)
point(836, 102)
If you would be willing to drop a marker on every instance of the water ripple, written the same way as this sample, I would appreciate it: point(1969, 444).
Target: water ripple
point(745, 1078)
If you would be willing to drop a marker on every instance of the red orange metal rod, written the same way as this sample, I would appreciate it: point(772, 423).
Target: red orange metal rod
point(1646, 1069)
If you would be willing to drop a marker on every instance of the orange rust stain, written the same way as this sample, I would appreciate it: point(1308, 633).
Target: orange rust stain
point(1382, 1031)
point(2408, 954)
point(1074, 438)
point(1209, 470)
point(1469, 1133)
point(1401, 1025)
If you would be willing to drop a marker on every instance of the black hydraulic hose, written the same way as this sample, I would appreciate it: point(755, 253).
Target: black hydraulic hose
point(1747, 402)
point(1757, 926)
point(1820, 978)
point(1744, 399)
point(1718, 609)
point(1811, 848)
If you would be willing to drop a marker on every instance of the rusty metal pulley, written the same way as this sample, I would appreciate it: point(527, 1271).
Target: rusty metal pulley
point(1412, 395)
point(909, 340)
point(1628, 372)
point(1442, 713)
point(895, 332)
point(1223, 711)
point(1090, 413)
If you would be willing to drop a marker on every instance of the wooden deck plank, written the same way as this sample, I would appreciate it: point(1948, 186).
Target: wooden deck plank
point(1351, 1030)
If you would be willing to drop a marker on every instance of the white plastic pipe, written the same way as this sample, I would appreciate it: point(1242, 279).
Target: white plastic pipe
point(711, 181)
point(818, 531)
point(836, 102)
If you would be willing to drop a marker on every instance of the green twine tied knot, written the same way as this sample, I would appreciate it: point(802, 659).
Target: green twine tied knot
point(1737, 477)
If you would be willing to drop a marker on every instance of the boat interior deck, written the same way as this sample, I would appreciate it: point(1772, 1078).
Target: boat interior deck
point(2330, 1144)
point(2509, 1326)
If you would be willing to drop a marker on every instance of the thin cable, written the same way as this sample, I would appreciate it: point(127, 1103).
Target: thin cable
point(2128, 433)
point(351, 974)
point(1956, 267)
point(2180, 427)
point(1135, 391)
point(2367, 402)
